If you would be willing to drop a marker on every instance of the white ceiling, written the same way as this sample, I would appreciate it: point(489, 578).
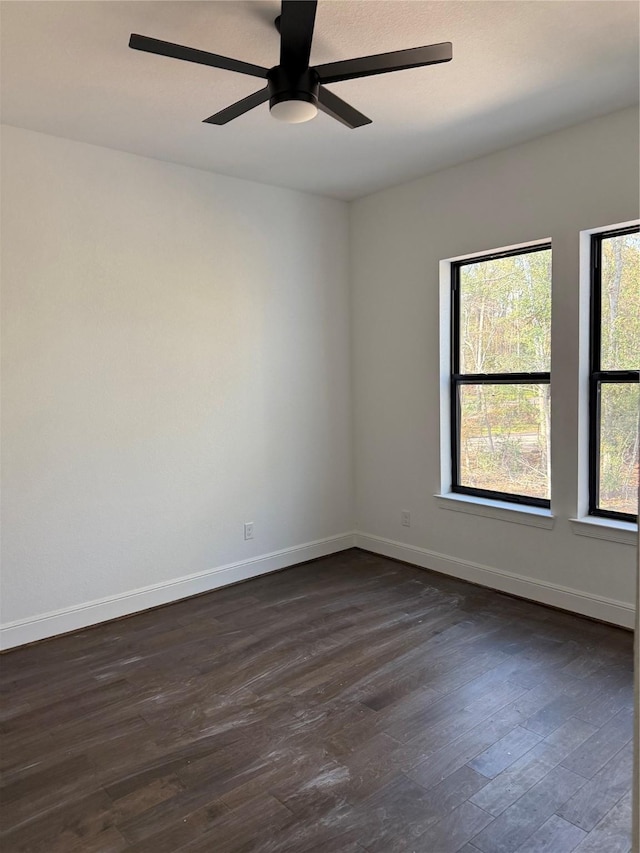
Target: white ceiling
point(520, 69)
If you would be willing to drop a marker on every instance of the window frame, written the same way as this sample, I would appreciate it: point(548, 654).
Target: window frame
point(457, 379)
point(597, 376)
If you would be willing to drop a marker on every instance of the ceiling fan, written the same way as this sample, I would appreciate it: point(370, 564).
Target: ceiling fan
point(295, 90)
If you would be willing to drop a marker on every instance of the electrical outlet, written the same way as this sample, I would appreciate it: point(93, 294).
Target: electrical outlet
point(248, 530)
point(405, 518)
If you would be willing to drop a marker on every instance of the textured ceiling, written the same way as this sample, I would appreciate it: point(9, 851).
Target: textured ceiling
point(520, 69)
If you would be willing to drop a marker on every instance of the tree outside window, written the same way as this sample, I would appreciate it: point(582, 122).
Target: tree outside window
point(500, 380)
point(614, 404)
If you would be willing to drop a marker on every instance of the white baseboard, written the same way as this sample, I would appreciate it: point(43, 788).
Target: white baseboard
point(93, 612)
point(45, 625)
point(584, 603)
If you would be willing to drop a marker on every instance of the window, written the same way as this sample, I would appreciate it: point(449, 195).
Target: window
point(614, 391)
point(500, 379)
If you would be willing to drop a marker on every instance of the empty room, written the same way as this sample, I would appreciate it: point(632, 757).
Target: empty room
point(320, 403)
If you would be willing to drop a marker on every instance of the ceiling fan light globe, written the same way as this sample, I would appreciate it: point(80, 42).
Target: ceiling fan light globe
point(294, 111)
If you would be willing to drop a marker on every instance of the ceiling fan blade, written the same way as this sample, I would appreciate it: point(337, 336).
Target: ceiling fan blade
point(190, 54)
point(382, 63)
point(343, 112)
point(296, 31)
point(239, 108)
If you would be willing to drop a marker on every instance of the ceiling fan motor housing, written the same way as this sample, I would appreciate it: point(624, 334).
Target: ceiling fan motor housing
point(287, 86)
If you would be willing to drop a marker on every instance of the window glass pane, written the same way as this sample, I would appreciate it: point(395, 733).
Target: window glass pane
point(620, 305)
point(505, 314)
point(619, 408)
point(504, 438)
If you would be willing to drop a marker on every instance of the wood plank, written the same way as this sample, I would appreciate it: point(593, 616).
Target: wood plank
point(591, 803)
point(453, 831)
point(504, 752)
point(445, 761)
point(284, 714)
point(612, 833)
point(595, 752)
point(516, 780)
point(554, 836)
point(517, 823)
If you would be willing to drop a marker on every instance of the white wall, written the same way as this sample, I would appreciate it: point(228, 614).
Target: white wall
point(555, 186)
point(178, 355)
point(175, 363)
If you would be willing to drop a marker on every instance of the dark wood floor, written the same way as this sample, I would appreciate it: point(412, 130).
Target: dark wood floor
point(349, 704)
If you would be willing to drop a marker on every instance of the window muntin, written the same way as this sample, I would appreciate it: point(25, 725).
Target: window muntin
point(614, 391)
point(500, 413)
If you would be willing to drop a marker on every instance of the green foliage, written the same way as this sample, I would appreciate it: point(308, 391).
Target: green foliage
point(620, 350)
point(505, 327)
point(620, 303)
point(504, 438)
point(619, 406)
point(505, 314)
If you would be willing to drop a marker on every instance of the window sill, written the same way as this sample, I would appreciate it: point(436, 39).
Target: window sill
point(606, 528)
point(502, 510)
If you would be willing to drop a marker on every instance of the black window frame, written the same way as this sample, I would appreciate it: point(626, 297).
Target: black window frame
point(458, 379)
point(597, 376)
